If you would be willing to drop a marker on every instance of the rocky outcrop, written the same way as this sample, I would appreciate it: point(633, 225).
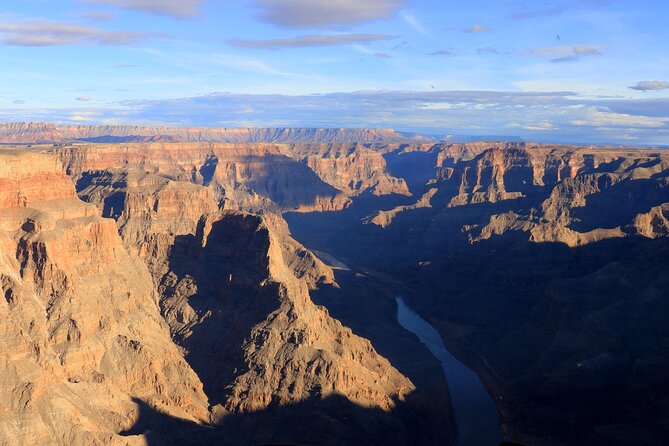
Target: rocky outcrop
point(558, 193)
point(235, 273)
point(151, 211)
point(234, 290)
point(543, 267)
point(255, 178)
point(352, 169)
point(82, 336)
point(251, 177)
point(653, 224)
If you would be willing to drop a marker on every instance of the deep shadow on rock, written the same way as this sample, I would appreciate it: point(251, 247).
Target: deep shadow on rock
point(330, 421)
point(573, 341)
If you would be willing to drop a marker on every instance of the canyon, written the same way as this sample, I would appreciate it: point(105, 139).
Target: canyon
point(191, 286)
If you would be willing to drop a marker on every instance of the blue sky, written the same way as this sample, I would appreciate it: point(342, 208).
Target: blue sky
point(563, 71)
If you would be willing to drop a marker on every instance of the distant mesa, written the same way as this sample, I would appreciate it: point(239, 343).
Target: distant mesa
point(49, 133)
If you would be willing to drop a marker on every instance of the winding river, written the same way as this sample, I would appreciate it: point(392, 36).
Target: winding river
point(474, 411)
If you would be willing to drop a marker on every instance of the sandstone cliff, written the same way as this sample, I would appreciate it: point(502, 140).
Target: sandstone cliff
point(234, 290)
point(82, 336)
point(544, 268)
point(553, 193)
point(234, 273)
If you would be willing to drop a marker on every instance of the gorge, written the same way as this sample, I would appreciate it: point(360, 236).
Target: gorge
point(200, 286)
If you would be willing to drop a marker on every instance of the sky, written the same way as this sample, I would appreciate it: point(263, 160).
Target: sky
point(583, 71)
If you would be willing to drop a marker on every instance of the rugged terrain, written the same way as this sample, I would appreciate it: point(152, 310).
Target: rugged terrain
point(544, 267)
point(187, 326)
point(82, 335)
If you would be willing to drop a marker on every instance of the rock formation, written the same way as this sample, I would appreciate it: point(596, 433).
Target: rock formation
point(189, 316)
point(234, 290)
point(251, 177)
point(82, 336)
point(543, 266)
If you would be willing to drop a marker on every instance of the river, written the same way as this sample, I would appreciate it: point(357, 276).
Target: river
point(474, 411)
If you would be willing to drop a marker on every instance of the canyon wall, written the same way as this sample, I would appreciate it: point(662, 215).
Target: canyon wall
point(251, 177)
point(82, 335)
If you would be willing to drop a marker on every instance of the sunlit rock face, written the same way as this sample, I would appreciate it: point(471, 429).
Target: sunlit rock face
point(192, 313)
point(82, 335)
point(252, 177)
point(234, 290)
point(175, 301)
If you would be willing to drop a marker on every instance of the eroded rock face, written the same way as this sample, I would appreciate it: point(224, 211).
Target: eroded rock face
point(560, 194)
point(544, 268)
point(82, 336)
point(234, 290)
point(235, 273)
point(248, 177)
point(353, 169)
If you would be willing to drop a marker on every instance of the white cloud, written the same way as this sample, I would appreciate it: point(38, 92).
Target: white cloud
point(307, 41)
point(415, 24)
point(650, 86)
point(597, 118)
point(180, 9)
point(327, 13)
point(46, 33)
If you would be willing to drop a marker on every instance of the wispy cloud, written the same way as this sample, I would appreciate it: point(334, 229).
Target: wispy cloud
point(309, 41)
point(98, 16)
point(46, 33)
point(442, 53)
point(229, 61)
point(650, 86)
point(180, 9)
point(84, 98)
point(565, 59)
point(476, 29)
point(487, 50)
point(415, 24)
point(564, 53)
point(325, 14)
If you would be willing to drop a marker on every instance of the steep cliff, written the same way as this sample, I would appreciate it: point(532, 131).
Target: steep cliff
point(234, 290)
point(82, 336)
point(234, 273)
point(553, 193)
point(352, 169)
point(544, 269)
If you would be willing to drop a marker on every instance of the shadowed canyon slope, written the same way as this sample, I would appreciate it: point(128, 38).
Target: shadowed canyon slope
point(543, 267)
point(223, 333)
